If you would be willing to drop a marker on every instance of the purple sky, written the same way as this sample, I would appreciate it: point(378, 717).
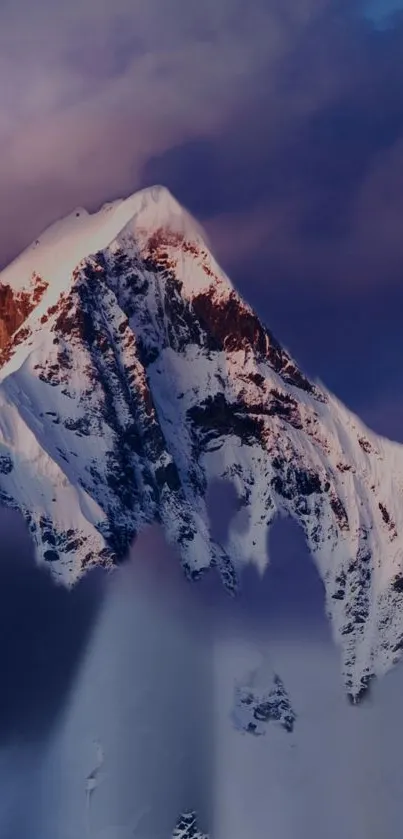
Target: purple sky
point(279, 123)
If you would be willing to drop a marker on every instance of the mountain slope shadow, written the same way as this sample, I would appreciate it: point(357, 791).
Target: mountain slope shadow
point(289, 598)
point(44, 629)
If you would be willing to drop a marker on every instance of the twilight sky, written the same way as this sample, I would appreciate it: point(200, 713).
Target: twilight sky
point(278, 123)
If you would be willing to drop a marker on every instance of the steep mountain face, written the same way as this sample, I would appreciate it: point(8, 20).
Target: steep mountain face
point(135, 374)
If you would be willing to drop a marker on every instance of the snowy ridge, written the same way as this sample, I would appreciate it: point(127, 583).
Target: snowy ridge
point(139, 375)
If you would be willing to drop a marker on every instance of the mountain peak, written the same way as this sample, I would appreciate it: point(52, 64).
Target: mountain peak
point(57, 251)
point(149, 224)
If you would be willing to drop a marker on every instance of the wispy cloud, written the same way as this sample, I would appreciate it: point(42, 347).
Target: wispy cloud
point(95, 90)
point(279, 124)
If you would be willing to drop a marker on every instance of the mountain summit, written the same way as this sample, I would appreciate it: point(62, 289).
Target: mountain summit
point(133, 374)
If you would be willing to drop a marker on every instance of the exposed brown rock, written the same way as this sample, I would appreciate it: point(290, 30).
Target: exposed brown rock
point(236, 327)
point(15, 307)
point(13, 311)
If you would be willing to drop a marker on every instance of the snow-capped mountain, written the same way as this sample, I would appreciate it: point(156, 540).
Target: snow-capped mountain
point(133, 374)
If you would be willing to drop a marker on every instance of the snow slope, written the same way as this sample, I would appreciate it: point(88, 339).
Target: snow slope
point(144, 695)
point(139, 375)
point(159, 703)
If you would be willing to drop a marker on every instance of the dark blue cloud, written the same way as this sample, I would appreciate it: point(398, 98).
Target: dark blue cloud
point(286, 601)
point(383, 12)
point(324, 151)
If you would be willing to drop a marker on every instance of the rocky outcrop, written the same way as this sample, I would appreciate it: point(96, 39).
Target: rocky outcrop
point(15, 307)
point(187, 828)
point(259, 702)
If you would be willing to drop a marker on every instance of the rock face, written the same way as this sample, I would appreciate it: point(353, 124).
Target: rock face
point(187, 828)
point(257, 703)
point(139, 376)
point(14, 310)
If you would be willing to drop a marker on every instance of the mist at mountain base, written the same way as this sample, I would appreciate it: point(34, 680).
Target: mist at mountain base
point(154, 686)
